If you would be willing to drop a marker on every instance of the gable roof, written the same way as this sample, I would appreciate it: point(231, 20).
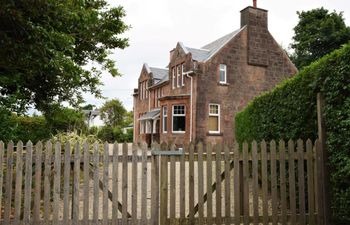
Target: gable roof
point(207, 51)
point(158, 73)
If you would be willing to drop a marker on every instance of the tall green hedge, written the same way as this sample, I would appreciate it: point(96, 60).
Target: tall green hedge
point(289, 112)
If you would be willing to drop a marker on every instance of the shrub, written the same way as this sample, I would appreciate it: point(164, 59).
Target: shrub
point(7, 125)
point(74, 137)
point(33, 128)
point(289, 112)
point(115, 134)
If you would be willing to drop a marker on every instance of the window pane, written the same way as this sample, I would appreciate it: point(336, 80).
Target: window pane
point(165, 124)
point(222, 76)
point(179, 109)
point(213, 123)
point(214, 109)
point(178, 76)
point(179, 123)
point(165, 118)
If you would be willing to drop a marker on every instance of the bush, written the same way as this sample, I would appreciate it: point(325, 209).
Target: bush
point(7, 125)
point(32, 128)
point(115, 134)
point(106, 133)
point(289, 112)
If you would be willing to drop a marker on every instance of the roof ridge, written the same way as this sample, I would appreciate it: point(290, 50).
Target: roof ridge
point(202, 49)
point(158, 68)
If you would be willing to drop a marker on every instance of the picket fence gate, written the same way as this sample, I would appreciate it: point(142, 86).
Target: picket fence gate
point(81, 183)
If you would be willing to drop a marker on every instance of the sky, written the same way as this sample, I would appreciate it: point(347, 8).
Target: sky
point(157, 25)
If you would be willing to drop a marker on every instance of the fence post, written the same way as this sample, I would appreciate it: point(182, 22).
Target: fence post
point(155, 187)
point(323, 161)
point(241, 188)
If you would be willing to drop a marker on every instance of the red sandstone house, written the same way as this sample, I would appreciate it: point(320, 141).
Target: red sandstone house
point(197, 96)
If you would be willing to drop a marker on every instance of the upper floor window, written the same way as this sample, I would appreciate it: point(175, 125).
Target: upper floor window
point(165, 119)
point(178, 76)
point(146, 89)
point(214, 118)
point(174, 75)
point(179, 119)
point(182, 75)
point(223, 74)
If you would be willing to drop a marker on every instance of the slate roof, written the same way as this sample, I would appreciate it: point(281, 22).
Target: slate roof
point(150, 115)
point(207, 51)
point(159, 73)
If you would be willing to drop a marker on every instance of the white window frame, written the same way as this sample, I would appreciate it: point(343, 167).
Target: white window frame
point(165, 119)
point(174, 77)
point(224, 69)
point(178, 82)
point(217, 115)
point(182, 75)
point(172, 119)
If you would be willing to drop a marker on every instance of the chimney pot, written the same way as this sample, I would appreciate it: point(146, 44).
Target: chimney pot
point(254, 3)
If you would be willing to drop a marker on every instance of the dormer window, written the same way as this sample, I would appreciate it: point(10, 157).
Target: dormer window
point(223, 74)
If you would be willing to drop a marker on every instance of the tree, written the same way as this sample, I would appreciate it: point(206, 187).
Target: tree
point(65, 119)
point(47, 48)
point(113, 113)
point(318, 33)
point(7, 125)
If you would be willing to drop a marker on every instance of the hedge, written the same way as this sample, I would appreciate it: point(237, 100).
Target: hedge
point(289, 112)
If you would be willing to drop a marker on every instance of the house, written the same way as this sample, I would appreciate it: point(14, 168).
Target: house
point(195, 98)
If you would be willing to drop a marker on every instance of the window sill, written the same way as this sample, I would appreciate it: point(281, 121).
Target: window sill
point(223, 84)
point(214, 134)
point(179, 132)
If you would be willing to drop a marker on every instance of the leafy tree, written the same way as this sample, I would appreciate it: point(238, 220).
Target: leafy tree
point(7, 125)
point(113, 113)
point(33, 128)
point(318, 33)
point(88, 107)
point(106, 133)
point(65, 119)
point(47, 47)
point(129, 118)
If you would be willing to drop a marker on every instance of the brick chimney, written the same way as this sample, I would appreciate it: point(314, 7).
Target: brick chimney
point(257, 25)
point(254, 16)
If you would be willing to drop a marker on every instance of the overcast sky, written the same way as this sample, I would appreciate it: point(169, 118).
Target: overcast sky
point(157, 25)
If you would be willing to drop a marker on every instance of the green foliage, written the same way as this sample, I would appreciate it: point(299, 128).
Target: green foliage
point(73, 138)
point(47, 45)
point(7, 125)
point(65, 119)
point(318, 33)
point(115, 134)
point(105, 133)
point(289, 112)
point(113, 113)
point(24, 128)
point(33, 128)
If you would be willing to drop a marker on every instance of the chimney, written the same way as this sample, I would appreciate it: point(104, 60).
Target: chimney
point(255, 20)
point(254, 16)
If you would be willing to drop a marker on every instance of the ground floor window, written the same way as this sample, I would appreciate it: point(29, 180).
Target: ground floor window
point(214, 118)
point(179, 119)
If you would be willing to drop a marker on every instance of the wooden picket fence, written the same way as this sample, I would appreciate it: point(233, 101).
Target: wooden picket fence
point(256, 183)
